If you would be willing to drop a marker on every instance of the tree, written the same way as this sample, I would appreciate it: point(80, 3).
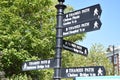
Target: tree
point(96, 57)
point(27, 32)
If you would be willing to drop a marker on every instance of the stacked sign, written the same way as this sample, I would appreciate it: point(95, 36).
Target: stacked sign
point(83, 20)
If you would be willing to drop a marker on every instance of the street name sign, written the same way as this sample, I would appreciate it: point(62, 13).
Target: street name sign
point(82, 27)
point(99, 78)
point(82, 71)
point(39, 64)
point(86, 14)
point(75, 48)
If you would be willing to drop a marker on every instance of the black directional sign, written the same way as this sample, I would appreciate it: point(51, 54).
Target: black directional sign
point(86, 14)
point(86, 26)
point(82, 71)
point(75, 48)
point(40, 64)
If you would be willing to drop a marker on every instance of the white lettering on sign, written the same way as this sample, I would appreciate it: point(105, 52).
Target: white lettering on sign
point(89, 69)
point(73, 45)
point(72, 75)
point(66, 29)
point(78, 51)
point(67, 19)
point(25, 67)
point(75, 13)
point(74, 21)
point(74, 27)
point(82, 30)
point(85, 24)
point(86, 10)
point(65, 33)
point(92, 74)
point(39, 62)
point(84, 74)
point(76, 70)
point(47, 66)
point(34, 63)
point(67, 23)
point(87, 74)
point(74, 31)
point(30, 67)
point(40, 66)
point(79, 47)
point(76, 17)
point(43, 66)
point(81, 26)
point(45, 62)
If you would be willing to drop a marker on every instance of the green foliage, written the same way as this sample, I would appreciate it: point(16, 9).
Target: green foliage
point(20, 77)
point(98, 57)
point(27, 32)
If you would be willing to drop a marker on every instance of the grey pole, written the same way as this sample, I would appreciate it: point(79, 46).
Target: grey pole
point(59, 39)
point(113, 60)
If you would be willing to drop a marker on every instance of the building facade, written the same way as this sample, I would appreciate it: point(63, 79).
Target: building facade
point(113, 55)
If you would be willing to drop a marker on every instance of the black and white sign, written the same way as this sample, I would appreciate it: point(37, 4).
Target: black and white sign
point(40, 64)
point(82, 27)
point(82, 15)
point(82, 71)
point(75, 48)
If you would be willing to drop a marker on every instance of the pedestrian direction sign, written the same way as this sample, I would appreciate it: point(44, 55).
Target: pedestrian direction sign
point(86, 14)
point(75, 48)
point(82, 27)
point(82, 71)
point(39, 64)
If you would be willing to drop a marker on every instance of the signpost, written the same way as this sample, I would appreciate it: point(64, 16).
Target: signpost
point(82, 15)
point(82, 27)
point(80, 21)
point(82, 71)
point(39, 64)
point(59, 39)
point(75, 48)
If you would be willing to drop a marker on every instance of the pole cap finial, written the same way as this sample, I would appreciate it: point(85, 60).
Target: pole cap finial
point(61, 0)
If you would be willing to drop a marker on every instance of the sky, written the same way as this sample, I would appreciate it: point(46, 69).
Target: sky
point(109, 33)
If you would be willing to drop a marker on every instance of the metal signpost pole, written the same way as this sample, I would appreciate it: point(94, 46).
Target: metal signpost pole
point(59, 39)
